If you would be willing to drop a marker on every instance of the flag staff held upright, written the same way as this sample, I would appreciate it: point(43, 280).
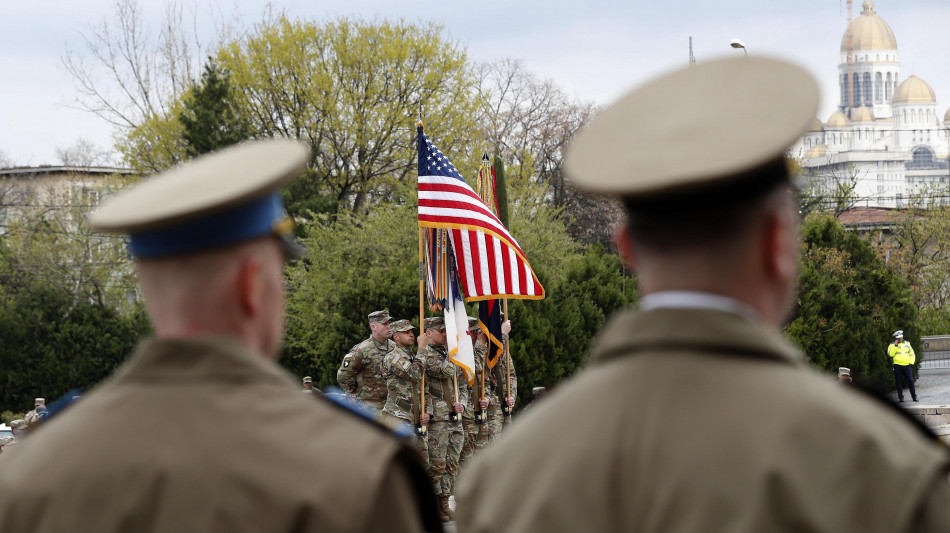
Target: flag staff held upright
point(421, 428)
point(505, 408)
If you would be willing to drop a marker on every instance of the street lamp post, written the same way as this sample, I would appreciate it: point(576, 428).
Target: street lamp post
point(737, 43)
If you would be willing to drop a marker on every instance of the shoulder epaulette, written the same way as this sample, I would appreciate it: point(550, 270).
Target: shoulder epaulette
point(406, 455)
point(337, 398)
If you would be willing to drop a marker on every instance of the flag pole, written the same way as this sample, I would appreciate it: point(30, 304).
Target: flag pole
point(420, 428)
point(481, 415)
point(505, 408)
point(456, 417)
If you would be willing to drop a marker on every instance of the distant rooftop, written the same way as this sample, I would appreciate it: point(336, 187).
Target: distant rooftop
point(59, 169)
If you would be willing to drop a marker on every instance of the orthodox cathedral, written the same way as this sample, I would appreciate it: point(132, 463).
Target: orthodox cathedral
point(886, 137)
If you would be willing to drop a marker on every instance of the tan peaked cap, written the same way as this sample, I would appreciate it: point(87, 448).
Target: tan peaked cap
point(694, 127)
point(204, 185)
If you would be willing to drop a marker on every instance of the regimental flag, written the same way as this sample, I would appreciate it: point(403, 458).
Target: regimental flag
point(444, 295)
point(490, 264)
point(489, 311)
point(457, 339)
point(489, 321)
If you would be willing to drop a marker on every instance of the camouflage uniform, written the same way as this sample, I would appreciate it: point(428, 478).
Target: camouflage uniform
point(361, 375)
point(470, 426)
point(403, 371)
point(496, 418)
point(445, 436)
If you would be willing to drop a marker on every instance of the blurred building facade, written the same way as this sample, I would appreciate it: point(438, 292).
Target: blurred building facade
point(886, 143)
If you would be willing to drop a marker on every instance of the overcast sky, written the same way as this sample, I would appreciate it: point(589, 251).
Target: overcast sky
point(595, 50)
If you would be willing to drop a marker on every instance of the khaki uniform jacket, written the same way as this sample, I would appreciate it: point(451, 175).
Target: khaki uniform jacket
point(207, 436)
point(697, 420)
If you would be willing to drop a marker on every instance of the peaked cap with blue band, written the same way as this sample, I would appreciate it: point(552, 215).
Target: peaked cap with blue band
point(226, 197)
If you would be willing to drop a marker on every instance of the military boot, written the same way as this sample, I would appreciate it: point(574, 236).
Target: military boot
point(444, 508)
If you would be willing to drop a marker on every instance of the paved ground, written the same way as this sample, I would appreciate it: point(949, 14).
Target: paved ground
point(933, 388)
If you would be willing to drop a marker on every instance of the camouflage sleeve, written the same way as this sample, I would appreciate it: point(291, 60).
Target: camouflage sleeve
point(514, 379)
point(346, 375)
point(465, 393)
point(501, 377)
point(481, 351)
point(398, 364)
point(437, 365)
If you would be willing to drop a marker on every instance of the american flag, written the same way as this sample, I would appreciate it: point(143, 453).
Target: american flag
point(490, 264)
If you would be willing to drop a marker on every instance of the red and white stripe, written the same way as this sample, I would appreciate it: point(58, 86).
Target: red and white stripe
point(490, 262)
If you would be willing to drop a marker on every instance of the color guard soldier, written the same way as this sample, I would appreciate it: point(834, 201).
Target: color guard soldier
point(361, 375)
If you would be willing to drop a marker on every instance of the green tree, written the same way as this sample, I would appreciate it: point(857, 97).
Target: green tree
point(211, 119)
point(551, 338)
point(50, 239)
point(917, 247)
point(51, 345)
point(848, 304)
point(156, 144)
point(353, 90)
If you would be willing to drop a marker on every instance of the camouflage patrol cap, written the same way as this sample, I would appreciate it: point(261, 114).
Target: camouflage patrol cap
point(380, 317)
point(472, 323)
point(435, 322)
point(39, 401)
point(401, 325)
point(308, 379)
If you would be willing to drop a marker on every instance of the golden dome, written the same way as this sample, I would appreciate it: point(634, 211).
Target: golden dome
point(869, 32)
point(818, 150)
point(946, 117)
point(862, 114)
point(838, 120)
point(913, 90)
point(816, 124)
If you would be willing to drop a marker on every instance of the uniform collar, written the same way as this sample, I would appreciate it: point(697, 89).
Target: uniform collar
point(384, 346)
point(697, 300)
point(700, 330)
point(210, 357)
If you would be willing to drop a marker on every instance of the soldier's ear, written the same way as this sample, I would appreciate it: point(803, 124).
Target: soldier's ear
point(249, 285)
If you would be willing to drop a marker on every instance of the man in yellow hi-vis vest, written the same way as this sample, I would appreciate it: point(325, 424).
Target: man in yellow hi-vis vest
point(903, 356)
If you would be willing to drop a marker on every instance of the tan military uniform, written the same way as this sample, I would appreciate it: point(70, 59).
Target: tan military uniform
point(206, 436)
point(361, 374)
point(700, 420)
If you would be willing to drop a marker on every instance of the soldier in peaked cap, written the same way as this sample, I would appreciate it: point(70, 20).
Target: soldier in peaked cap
point(706, 418)
point(205, 431)
point(361, 373)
